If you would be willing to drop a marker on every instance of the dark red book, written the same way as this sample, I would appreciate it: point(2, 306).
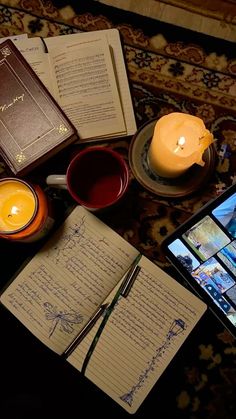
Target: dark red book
point(33, 127)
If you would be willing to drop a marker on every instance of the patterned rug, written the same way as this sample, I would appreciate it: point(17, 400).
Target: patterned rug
point(223, 10)
point(170, 69)
point(216, 18)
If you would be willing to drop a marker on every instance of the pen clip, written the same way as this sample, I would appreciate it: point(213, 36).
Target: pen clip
point(130, 280)
point(130, 277)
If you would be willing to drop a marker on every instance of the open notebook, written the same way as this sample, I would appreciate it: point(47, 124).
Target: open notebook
point(78, 270)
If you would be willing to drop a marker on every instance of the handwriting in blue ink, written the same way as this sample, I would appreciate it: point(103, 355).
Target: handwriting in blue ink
point(177, 327)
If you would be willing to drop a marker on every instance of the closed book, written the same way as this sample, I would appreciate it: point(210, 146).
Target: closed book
point(33, 127)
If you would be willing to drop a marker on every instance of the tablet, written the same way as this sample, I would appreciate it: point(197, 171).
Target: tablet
point(203, 250)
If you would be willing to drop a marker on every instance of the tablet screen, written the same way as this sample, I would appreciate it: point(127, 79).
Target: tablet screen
point(204, 250)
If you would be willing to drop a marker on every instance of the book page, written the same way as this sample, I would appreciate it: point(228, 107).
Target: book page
point(15, 38)
point(33, 50)
point(40, 64)
point(61, 287)
point(141, 336)
point(85, 87)
point(112, 37)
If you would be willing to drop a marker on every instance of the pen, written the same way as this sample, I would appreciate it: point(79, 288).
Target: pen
point(123, 290)
point(130, 276)
point(87, 327)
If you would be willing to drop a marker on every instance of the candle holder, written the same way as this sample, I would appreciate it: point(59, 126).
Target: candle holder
point(192, 179)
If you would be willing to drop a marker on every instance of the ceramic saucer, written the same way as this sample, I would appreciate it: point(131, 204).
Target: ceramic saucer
point(185, 184)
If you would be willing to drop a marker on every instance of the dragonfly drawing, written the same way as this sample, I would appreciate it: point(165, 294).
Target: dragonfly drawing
point(65, 321)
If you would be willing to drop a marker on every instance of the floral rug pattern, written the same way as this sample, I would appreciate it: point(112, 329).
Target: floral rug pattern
point(170, 70)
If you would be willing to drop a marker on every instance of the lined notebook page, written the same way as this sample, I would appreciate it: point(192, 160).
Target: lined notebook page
point(65, 282)
point(139, 339)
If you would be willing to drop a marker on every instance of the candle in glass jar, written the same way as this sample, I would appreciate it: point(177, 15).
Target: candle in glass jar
point(17, 205)
point(179, 140)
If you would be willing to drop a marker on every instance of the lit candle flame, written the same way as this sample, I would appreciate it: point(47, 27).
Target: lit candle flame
point(180, 143)
point(14, 210)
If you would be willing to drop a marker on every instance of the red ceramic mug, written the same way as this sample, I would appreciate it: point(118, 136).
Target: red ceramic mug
point(97, 178)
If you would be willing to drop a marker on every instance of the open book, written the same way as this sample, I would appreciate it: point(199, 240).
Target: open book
point(86, 74)
point(78, 270)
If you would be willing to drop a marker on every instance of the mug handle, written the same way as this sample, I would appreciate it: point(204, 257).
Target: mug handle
point(57, 181)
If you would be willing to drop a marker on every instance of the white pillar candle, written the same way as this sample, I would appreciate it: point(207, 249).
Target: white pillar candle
point(179, 140)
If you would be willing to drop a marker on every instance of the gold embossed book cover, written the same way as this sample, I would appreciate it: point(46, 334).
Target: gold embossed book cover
point(33, 127)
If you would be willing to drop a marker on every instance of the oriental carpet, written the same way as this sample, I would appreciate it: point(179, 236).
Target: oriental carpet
point(170, 69)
